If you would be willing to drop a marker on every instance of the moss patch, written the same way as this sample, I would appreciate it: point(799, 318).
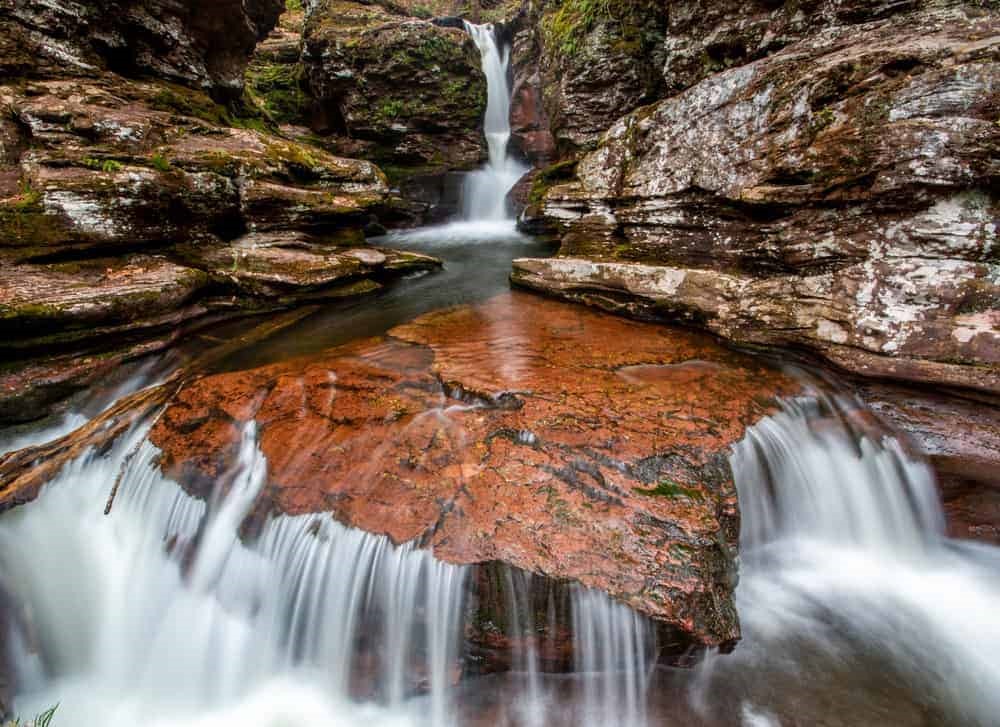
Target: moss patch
point(672, 490)
point(277, 89)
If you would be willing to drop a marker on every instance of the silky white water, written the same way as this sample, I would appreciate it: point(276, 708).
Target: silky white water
point(856, 609)
point(159, 614)
point(614, 650)
point(849, 590)
point(484, 192)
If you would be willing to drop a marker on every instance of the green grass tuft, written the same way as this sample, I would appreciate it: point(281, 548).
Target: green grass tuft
point(42, 720)
point(160, 162)
point(673, 490)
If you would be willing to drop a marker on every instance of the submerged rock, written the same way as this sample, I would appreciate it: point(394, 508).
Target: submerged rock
point(563, 442)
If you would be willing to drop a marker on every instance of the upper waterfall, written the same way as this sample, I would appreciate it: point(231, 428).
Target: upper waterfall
point(484, 194)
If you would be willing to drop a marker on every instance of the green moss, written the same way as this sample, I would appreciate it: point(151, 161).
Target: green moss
point(822, 119)
point(564, 28)
point(242, 113)
point(549, 177)
point(292, 154)
point(102, 165)
point(277, 89)
point(23, 222)
point(672, 490)
point(293, 5)
point(33, 311)
point(390, 109)
point(160, 162)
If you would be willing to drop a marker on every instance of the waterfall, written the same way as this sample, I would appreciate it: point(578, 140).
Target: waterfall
point(614, 649)
point(484, 193)
point(849, 591)
point(160, 614)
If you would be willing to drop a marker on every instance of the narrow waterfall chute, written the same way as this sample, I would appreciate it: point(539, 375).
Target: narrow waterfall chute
point(484, 192)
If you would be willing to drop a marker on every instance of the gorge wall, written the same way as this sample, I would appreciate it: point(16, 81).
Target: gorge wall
point(144, 191)
point(819, 177)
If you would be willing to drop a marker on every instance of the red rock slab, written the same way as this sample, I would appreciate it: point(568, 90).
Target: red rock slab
point(556, 439)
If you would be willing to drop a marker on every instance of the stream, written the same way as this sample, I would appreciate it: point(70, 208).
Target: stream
point(856, 609)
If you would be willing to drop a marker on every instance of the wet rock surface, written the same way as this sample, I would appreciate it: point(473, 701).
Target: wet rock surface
point(547, 437)
point(123, 187)
point(578, 66)
point(837, 195)
point(960, 436)
point(287, 266)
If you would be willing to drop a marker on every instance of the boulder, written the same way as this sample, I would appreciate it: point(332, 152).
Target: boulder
point(62, 302)
point(290, 266)
point(837, 195)
point(413, 90)
point(546, 437)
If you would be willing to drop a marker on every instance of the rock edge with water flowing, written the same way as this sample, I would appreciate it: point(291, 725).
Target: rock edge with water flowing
point(551, 438)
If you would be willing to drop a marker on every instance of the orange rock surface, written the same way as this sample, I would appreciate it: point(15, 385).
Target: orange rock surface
point(559, 440)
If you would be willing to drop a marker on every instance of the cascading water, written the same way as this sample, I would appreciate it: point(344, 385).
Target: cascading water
point(484, 192)
point(614, 651)
point(159, 614)
point(856, 610)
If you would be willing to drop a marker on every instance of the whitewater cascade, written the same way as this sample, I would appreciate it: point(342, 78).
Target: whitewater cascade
point(160, 613)
point(484, 193)
point(847, 580)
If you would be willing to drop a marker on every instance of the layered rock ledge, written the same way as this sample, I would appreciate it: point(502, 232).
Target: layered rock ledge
point(837, 195)
point(143, 194)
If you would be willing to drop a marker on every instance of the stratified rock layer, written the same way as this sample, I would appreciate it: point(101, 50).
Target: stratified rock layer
point(133, 170)
point(200, 43)
point(577, 67)
point(838, 195)
point(547, 437)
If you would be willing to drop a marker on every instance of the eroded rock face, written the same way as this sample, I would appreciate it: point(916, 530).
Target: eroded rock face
point(200, 43)
point(838, 195)
point(92, 170)
point(566, 443)
point(577, 68)
point(121, 163)
point(412, 91)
